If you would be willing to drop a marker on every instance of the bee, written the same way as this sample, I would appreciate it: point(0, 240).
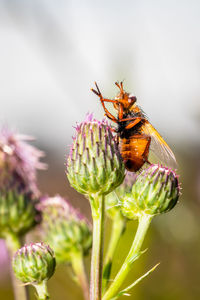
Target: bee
point(135, 134)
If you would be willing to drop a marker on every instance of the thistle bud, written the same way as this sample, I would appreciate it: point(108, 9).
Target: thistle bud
point(34, 263)
point(155, 191)
point(113, 200)
point(17, 213)
point(94, 164)
point(64, 228)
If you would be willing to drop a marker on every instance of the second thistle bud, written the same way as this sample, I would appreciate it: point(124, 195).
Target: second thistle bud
point(155, 191)
point(64, 228)
point(94, 164)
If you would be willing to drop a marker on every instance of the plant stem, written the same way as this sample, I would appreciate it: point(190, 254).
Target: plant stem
point(13, 244)
point(79, 270)
point(118, 227)
point(97, 206)
point(143, 226)
point(41, 289)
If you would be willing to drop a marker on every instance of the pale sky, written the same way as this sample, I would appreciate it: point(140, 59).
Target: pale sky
point(51, 52)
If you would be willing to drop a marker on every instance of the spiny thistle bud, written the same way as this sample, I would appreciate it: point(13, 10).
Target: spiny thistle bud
point(94, 164)
point(64, 228)
point(155, 191)
point(34, 263)
point(113, 200)
point(17, 213)
point(18, 163)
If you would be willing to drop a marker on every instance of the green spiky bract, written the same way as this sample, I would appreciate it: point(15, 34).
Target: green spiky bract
point(156, 190)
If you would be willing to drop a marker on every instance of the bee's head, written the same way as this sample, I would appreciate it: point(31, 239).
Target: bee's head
point(126, 99)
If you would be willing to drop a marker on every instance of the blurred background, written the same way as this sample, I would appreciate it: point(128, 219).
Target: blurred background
point(51, 52)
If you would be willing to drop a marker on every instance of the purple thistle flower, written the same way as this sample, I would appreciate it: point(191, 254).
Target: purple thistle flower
point(18, 162)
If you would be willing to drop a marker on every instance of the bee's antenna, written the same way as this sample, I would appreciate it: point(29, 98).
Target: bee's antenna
point(97, 88)
point(117, 84)
point(121, 84)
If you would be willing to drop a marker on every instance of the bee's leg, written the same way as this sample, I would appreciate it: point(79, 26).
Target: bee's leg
point(98, 93)
point(134, 122)
point(131, 119)
point(108, 114)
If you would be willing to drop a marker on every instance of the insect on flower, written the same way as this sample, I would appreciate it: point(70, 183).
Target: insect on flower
point(135, 133)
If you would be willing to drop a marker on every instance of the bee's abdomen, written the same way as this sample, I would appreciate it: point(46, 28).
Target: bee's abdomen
point(135, 151)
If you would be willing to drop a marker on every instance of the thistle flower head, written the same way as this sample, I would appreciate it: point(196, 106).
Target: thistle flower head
point(94, 164)
point(113, 200)
point(34, 263)
point(64, 228)
point(18, 162)
point(156, 190)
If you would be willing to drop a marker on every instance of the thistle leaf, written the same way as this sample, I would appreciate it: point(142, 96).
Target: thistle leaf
point(124, 291)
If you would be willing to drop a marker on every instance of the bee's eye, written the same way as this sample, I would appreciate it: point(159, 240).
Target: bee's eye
point(131, 99)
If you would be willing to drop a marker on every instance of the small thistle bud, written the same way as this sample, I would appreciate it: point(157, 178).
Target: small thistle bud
point(64, 228)
point(17, 213)
point(34, 263)
point(155, 191)
point(113, 200)
point(94, 164)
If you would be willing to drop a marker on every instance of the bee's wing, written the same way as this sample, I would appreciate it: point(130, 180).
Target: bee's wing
point(159, 146)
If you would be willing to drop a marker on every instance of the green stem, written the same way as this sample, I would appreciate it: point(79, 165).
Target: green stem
point(97, 206)
point(41, 289)
point(118, 227)
point(79, 270)
point(13, 244)
point(143, 226)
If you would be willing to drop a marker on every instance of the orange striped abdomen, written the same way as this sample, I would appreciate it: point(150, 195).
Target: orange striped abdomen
point(135, 151)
